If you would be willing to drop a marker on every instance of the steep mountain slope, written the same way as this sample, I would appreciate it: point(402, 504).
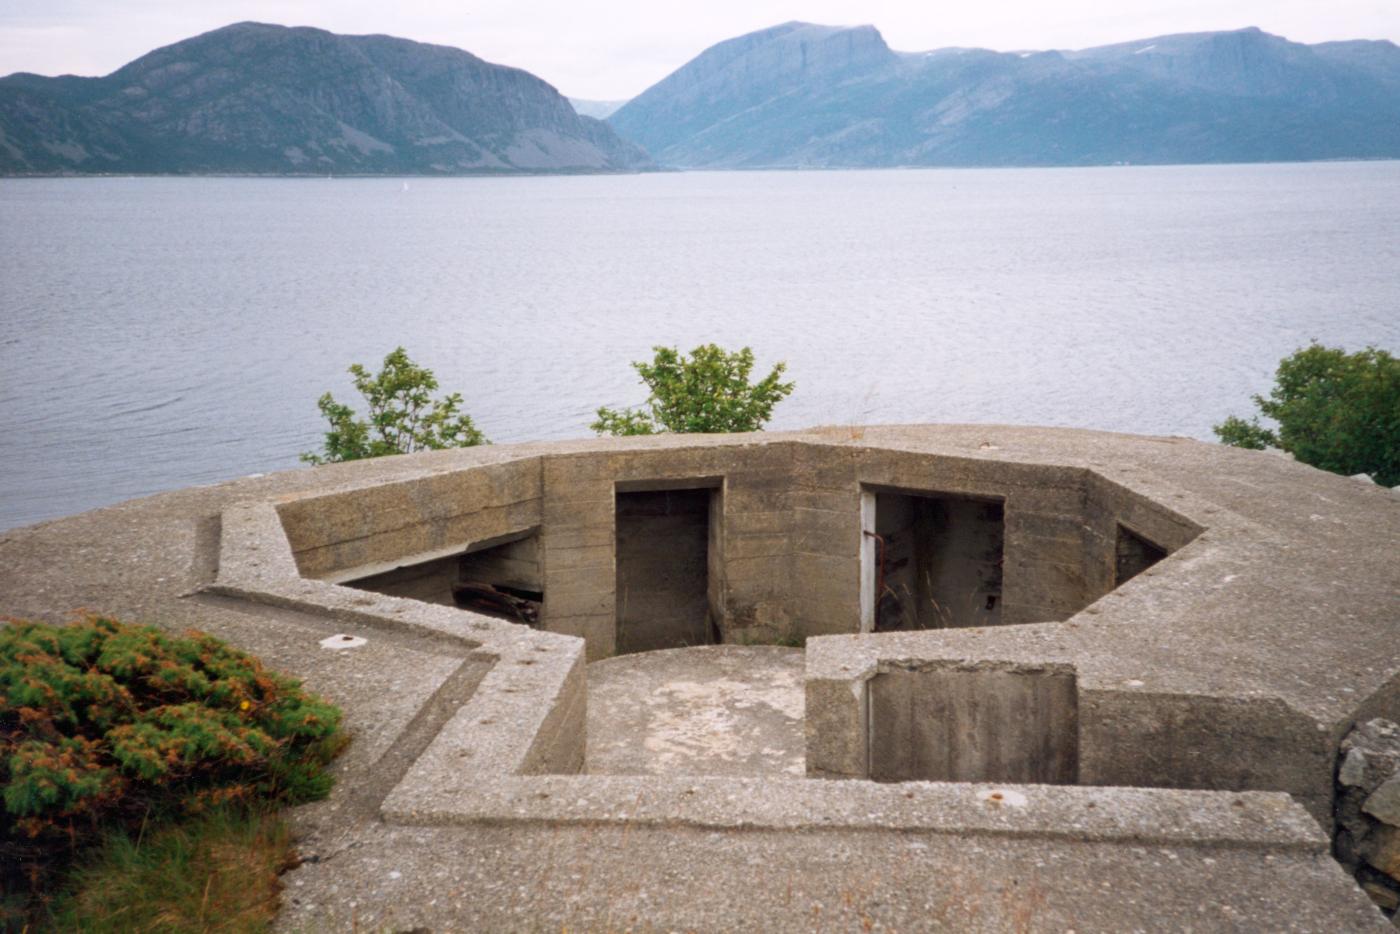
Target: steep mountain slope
point(794, 60)
point(801, 95)
point(259, 98)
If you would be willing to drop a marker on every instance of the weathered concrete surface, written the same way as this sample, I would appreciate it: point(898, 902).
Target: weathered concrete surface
point(1237, 662)
point(621, 878)
point(710, 710)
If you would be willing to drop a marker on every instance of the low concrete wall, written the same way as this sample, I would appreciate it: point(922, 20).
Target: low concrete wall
point(1172, 741)
point(358, 531)
point(528, 715)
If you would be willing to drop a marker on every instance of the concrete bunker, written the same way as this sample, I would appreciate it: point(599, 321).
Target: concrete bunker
point(771, 545)
point(982, 723)
point(668, 564)
point(1110, 700)
point(930, 560)
point(775, 551)
point(499, 577)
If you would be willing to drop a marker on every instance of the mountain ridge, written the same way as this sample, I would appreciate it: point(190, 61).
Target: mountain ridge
point(260, 98)
point(257, 98)
point(762, 101)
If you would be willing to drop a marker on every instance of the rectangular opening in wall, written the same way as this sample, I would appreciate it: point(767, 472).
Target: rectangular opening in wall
point(498, 577)
point(987, 724)
point(429, 581)
point(1135, 554)
point(664, 590)
point(502, 579)
point(937, 561)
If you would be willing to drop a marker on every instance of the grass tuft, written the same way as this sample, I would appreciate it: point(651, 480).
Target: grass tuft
point(214, 873)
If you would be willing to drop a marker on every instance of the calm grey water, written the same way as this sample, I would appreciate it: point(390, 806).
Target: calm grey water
point(163, 332)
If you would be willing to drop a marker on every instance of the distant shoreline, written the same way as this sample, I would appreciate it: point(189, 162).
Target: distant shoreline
point(677, 171)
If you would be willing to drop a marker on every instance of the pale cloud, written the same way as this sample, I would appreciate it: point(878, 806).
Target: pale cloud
point(616, 49)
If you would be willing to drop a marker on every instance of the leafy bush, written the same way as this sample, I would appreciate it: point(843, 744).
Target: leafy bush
point(1334, 410)
point(106, 726)
point(707, 392)
point(403, 417)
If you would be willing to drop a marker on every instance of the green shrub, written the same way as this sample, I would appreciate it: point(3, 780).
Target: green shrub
point(403, 416)
point(707, 392)
point(1334, 410)
point(106, 726)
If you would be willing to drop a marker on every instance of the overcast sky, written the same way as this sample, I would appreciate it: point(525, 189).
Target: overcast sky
point(616, 49)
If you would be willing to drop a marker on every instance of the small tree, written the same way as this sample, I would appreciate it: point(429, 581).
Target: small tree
point(1334, 410)
point(403, 417)
point(708, 392)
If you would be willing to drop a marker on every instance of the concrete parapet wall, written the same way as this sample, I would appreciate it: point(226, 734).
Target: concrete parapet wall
point(358, 531)
point(1174, 741)
point(1139, 816)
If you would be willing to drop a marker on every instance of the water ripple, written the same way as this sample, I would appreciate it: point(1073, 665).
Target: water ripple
point(161, 332)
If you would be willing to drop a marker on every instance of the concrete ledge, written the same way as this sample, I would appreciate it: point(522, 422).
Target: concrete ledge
point(1123, 815)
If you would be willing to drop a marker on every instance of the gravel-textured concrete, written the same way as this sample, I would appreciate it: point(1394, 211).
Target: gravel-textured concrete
point(620, 878)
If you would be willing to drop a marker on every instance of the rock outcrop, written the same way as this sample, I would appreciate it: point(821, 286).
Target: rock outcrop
point(1368, 810)
point(256, 98)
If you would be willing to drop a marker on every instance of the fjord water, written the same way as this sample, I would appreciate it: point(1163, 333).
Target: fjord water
point(160, 332)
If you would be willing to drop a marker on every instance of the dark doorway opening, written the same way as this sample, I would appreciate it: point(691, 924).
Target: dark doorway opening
point(666, 545)
point(937, 561)
point(1135, 554)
